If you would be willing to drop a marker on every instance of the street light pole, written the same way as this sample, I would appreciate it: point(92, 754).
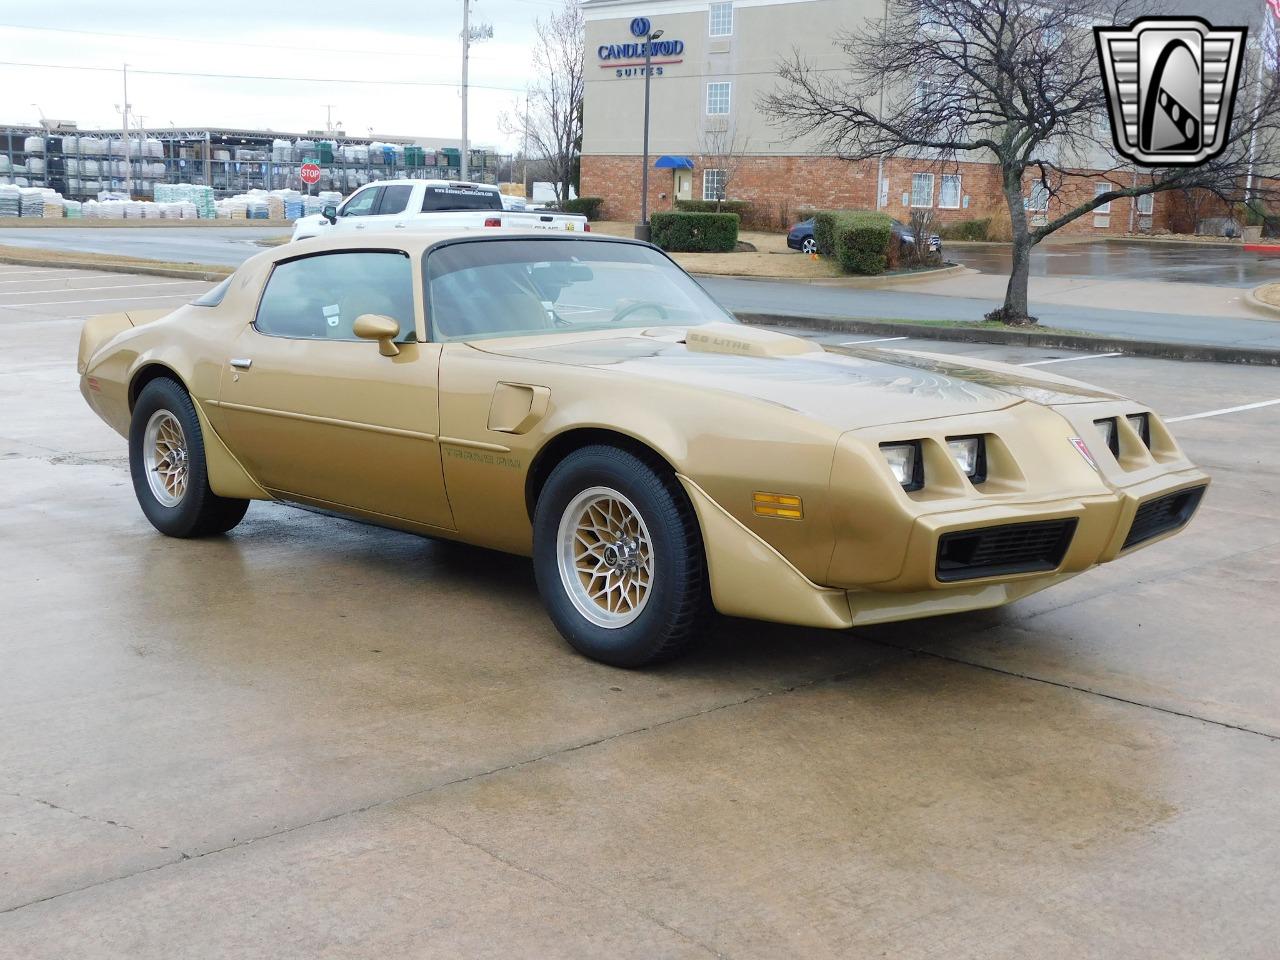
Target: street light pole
point(642, 229)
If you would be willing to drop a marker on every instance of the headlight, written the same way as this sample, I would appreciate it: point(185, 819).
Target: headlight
point(970, 456)
point(1142, 426)
point(1109, 434)
point(905, 463)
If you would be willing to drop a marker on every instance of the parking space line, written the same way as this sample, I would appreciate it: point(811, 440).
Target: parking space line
point(91, 276)
point(59, 303)
point(132, 286)
point(850, 343)
point(1218, 413)
point(1091, 356)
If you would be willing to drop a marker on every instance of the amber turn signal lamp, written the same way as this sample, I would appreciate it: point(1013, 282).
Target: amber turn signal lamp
point(777, 505)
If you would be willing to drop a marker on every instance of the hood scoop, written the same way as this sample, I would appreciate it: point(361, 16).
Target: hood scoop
point(744, 341)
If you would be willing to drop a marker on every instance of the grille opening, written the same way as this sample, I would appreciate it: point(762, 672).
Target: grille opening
point(1000, 551)
point(1162, 515)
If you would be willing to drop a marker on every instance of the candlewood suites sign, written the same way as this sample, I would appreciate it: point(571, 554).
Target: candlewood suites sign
point(627, 59)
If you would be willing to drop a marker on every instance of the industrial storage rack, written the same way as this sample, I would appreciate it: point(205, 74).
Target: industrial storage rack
point(194, 156)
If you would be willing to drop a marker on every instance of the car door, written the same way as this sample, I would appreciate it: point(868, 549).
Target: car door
point(318, 414)
point(393, 202)
point(358, 208)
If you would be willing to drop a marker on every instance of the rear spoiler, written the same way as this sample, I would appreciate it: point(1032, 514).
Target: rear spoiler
point(97, 331)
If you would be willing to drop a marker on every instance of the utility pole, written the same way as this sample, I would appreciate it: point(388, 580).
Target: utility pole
point(466, 57)
point(328, 117)
point(124, 127)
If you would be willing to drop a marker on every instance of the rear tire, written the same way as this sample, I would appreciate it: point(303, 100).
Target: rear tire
point(166, 461)
point(618, 558)
point(808, 245)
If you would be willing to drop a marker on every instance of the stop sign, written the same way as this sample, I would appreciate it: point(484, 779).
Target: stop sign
point(310, 173)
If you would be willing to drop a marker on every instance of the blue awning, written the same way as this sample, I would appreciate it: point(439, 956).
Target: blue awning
point(673, 163)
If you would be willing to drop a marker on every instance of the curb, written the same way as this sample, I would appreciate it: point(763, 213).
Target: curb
point(1254, 300)
point(1157, 349)
point(197, 273)
point(853, 283)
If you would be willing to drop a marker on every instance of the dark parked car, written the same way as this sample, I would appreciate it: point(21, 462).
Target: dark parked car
point(800, 237)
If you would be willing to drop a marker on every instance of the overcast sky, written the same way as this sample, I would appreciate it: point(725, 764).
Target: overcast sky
point(384, 41)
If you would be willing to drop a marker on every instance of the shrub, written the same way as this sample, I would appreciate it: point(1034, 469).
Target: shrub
point(587, 206)
point(824, 229)
point(740, 207)
point(694, 232)
point(965, 229)
point(862, 242)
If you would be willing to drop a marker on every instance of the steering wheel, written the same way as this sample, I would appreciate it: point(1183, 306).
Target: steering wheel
point(641, 305)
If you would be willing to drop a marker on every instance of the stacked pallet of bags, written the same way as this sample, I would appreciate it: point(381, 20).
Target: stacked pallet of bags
point(32, 201)
point(10, 201)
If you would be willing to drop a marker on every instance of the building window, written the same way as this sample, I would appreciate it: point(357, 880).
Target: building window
point(922, 189)
point(1146, 203)
point(949, 197)
point(712, 184)
point(1038, 200)
point(1098, 190)
point(720, 20)
point(718, 99)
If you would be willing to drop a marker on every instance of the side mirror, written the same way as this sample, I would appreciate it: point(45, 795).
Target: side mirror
point(374, 326)
point(330, 213)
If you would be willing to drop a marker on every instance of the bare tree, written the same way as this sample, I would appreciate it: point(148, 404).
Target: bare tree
point(721, 148)
point(1015, 83)
point(551, 122)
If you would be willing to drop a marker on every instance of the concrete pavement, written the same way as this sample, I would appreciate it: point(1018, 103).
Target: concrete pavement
point(314, 738)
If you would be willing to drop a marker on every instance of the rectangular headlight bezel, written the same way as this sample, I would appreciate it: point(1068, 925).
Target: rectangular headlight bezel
point(914, 480)
point(979, 472)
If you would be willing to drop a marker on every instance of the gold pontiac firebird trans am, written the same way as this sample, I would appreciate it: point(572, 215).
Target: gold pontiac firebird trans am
point(583, 401)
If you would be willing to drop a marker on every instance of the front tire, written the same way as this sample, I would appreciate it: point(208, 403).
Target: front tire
point(166, 461)
point(618, 558)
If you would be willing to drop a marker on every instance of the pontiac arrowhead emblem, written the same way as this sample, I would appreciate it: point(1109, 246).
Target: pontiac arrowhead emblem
point(1171, 86)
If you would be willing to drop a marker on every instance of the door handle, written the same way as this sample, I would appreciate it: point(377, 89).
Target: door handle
point(359, 226)
point(399, 226)
point(241, 363)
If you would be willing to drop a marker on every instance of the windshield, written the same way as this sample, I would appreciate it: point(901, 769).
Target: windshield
point(503, 288)
point(437, 199)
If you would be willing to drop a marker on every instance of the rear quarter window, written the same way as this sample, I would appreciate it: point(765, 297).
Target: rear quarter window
point(437, 199)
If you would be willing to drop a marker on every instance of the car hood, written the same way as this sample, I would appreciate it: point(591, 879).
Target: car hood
point(847, 388)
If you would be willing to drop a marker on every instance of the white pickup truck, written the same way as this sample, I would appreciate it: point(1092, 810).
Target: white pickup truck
point(428, 204)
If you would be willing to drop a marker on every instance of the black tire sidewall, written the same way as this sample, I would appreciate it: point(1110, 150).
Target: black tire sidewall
point(647, 638)
point(188, 517)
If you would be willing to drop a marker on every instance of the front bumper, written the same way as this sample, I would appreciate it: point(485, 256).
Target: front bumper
point(889, 544)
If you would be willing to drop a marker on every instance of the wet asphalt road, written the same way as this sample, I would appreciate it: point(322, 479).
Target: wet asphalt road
point(314, 738)
point(1118, 260)
point(219, 245)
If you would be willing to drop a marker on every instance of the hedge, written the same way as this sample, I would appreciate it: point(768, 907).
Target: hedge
point(587, 206)
point(862, 242)
point(740, 207)
point(824, 229)
point(694, 232)
point(979, 229)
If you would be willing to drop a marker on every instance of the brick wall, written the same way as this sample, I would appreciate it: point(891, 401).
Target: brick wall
point(781, 188)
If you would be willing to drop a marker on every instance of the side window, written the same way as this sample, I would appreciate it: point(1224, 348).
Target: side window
point(362, 203)
point(319, 298)
point(395, 198)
